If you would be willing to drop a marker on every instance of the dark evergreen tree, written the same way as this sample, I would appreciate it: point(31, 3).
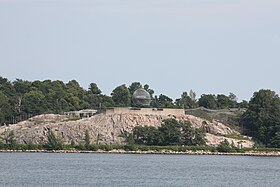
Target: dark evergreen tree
point(10, 140)
point(54, 143)
point(186, 101)
point(171, 132)
point(223, 101)
point(121, 96)
point(93, 88)
point(134, 86)
point(164, 102)
point(87, 140)
point(208, 101)
point(262, 118)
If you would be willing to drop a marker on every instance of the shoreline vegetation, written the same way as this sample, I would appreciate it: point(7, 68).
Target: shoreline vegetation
point(166, 152)
point(140, 149)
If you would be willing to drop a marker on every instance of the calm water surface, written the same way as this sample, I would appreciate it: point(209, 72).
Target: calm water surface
point(63, 170)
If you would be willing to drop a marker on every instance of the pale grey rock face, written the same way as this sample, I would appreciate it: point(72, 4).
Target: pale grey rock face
point(104, 129)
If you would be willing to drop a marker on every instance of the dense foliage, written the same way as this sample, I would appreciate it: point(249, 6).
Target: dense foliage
point(171, 132)
point(262, 119)
point(10, 140)
point(54, 143)
point(87, 139)
point(22, 99)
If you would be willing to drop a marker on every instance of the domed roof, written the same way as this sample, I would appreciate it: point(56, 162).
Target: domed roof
point(141, 97)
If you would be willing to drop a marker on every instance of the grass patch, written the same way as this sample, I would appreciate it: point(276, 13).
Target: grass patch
point(93, 147)
point(262, 149)
point(229, 117)
point(236, 136)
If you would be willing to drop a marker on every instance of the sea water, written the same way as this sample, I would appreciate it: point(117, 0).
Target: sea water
point(76, 169)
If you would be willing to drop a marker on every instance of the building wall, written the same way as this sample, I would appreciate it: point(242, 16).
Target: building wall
point(144, 111)
point(81, 114)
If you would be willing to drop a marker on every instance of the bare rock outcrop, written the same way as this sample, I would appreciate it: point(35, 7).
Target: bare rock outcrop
point(106, 129)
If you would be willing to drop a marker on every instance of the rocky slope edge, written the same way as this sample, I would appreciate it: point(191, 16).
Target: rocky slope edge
point(106, 129)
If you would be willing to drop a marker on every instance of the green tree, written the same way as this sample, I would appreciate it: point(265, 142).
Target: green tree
point(34, 102)
point(147, 135)
point(275, 140)
point(94, 101)
point(87, 140)
point(187, 133)
point(191, 136)
point(186, 101)
point(94, 97)
point(7, 93)
point(22, 86)
point(171, 130)
point(134, 86)
point(74, 87)
point(223, 101)
point(93, 88)
point(75, 95)
point(106, 101)
point(243, 104)
point(121, 96)
point(208, 101)
point(129, 139)
point(262, 118)
point(199, 139)
point(5, 108)
point(233, 100)
point(224, 146)
point(10, 140)
point(6, 87)
point(55, 96)
point(165, 102)
point(148, 89)
point(73, 143)
point(54, 143)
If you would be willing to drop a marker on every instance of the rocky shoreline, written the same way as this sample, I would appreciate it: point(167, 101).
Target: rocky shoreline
point(162, 152)
point(106, 129)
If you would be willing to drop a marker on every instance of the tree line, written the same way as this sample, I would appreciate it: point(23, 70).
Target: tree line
point(22, 99)
point(170, 133)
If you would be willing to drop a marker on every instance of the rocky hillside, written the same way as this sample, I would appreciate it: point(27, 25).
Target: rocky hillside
point(106, 129)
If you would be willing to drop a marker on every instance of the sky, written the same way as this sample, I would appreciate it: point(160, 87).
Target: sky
point(209, 46)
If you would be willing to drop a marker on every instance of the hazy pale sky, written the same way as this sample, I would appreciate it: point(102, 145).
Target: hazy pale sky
point(210, 46)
